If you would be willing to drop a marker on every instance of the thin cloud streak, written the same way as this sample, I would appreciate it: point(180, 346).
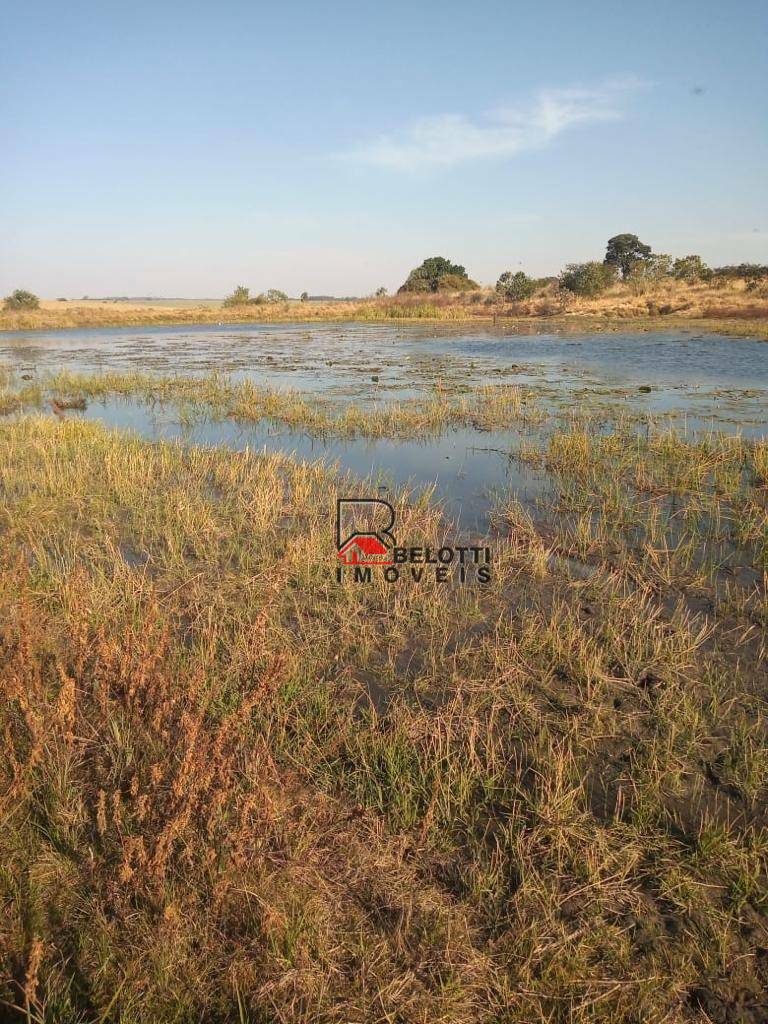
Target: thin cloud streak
point(449, 139)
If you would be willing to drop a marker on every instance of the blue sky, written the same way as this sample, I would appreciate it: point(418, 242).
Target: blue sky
point(182, 148)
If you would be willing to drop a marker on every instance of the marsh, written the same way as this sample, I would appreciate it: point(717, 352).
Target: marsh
point(242, 787)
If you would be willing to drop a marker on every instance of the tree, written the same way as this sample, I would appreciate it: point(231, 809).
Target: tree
point(588, 279)
point(21, 299)
point(239, 297)
point(646, 273)
point(690, 268)
point(622, 251)
point(381, 293)
point(745, 271)
point(432, 272)
point(304, 297)
point(515, 286)
point(275, 295)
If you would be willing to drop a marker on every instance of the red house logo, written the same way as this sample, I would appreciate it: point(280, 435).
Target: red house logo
point(363, 531)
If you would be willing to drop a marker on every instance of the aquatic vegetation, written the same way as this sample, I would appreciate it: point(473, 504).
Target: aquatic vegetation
point(219, 397)
point(670, 508)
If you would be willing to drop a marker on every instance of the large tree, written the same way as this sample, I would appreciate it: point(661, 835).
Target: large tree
point(623, 252)
point(436, 274)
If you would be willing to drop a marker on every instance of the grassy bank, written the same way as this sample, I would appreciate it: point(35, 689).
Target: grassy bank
point(727, 308)
point(236, 790)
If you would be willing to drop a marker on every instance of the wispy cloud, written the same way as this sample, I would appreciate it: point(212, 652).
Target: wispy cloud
point(454, 138)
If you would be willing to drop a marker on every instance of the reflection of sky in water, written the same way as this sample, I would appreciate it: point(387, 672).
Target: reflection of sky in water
point(705, 380)
point(461, 464)
point(291, 354)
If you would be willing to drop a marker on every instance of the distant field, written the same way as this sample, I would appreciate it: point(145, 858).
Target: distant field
point(132, 303)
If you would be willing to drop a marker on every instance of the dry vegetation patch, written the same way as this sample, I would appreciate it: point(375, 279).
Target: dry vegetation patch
point(725, 304)
point(550, 806)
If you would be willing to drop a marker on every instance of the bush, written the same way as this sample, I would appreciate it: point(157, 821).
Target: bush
point(239, 297)
point(744, 272)
point(646, 273)
point(21, 300)
point(516, 286)
point(438, 274)
point(455, 283)
point(588, 279)
point(690, 268)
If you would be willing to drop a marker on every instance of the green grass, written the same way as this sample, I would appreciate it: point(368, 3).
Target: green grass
point(218, 397)
point(671, 509)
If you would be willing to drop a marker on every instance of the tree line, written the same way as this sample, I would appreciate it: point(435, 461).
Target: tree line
point(626, 259)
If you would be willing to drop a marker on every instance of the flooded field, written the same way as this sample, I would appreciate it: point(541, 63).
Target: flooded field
point(715, 370)
point(605, 376)
point(236, 769)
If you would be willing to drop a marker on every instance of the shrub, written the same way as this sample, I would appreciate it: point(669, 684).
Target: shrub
point(239, 297)
point(690, 268)
point(645, 273)
point(304, 297)
point(588, 279)
point(744, 272)
point(455, 283)
point(516, 286)
point(558, 302)
point(431, 275)
point(21, 299)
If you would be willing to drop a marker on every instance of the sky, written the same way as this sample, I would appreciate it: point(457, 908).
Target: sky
point(181, 148)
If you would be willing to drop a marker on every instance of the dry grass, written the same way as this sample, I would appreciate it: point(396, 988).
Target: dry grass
point(726, 306)
point(674, 299)
point(235, 790)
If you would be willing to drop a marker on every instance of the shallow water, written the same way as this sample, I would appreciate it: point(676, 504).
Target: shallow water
point(701, 380)
point(679, 365)
point(465, 467)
